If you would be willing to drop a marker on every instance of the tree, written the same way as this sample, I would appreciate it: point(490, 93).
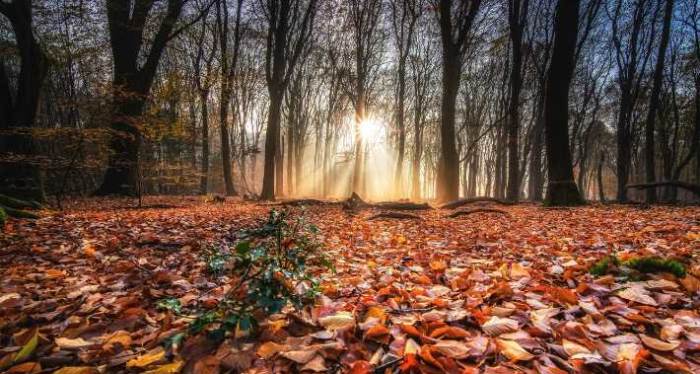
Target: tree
point(404, 14)
point(18, 105)
point(364, 21)
point(229, 60)
point(631, 57)
point(517, 20)
point(132, 83)
point(290, 23)
point(649, 150)
point(561, 189)
point(455, 22)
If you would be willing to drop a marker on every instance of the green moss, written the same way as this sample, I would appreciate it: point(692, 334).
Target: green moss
point(602, 267)
point(644, 265)
point(656, 265)
point(3, 217)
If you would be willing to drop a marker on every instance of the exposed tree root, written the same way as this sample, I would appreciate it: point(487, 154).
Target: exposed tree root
point(402, 205)
point(461, 202)
point(694, 188)
point(467, 212)
point(393, 215)
point(12, 207)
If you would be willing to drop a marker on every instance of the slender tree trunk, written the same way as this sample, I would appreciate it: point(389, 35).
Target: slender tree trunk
point(226, 145)
point(649, 151)
point(204, 182)
point(601, 189)
point(561, 189)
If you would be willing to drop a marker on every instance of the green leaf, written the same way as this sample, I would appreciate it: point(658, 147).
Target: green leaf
point(27, 349)
point(171, 304)
point(243, 247)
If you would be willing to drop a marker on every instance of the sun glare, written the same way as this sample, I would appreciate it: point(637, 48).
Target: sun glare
point(370, 130)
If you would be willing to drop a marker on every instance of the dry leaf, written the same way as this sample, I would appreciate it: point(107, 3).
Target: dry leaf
point(657, 344)
point(338, 321)
point(147, 359)
point(452, 348)
point(77, 343)
point(513, 350)
point(637, 294)
point(496, 326)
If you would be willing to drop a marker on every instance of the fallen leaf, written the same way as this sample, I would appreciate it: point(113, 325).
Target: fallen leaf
point(300, 356)
point(637, 294)
point(496, 326)
point(452, 348)
point(657, 344)
point(317, 365)
point(147, 359)
point(77, 370)
point(513, 350)
point(269, 349)
point(172, 368)
point(338, 321)
point(77, 343)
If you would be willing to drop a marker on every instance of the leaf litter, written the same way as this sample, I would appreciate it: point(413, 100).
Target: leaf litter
point(99, 289)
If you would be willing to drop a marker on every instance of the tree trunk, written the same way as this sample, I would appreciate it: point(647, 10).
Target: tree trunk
point(517, 16)
point(204, 182)
point(561, 189)
point(271, 147)
point(649, 151)
point(18, 111)
point(601, 189)
point(448, 177)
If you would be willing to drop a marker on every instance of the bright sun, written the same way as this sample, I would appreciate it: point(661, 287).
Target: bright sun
point(370, 130)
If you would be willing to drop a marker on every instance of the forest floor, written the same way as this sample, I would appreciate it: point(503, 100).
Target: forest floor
point(494, 292)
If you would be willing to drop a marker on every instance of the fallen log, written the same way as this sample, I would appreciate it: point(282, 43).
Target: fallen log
point(18, 213)
point(307, 202)
point(472, 200)
point(402, 205)
point(356, 202)
point(694, 188)
point(393, 215)
point(467, 212)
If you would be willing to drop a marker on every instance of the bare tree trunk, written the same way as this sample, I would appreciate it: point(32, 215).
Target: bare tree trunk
point(649, 151)
point(562, 189)
point(517, 17)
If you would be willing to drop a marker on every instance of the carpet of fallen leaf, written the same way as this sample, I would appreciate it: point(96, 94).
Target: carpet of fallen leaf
point(491, 293)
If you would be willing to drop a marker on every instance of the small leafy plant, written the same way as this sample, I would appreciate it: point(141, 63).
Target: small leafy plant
point(271, 267)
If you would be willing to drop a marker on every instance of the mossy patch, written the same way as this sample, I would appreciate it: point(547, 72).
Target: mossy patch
point(646, 265)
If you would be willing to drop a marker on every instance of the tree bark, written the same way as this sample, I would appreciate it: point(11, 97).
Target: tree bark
point(517, 17)
point(21, 179)
point(131, 86)
point(562, 189)
point(649, 151)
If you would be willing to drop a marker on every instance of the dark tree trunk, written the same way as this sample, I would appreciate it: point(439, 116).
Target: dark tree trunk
point(649, 151)
point(455, 29)
point(21, 179)
point(517, 17)
point(561, 189)
point(132, 85)
point(286, 38)
point(448, 177)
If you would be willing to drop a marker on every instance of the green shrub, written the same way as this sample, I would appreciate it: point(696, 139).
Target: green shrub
point(270, 267)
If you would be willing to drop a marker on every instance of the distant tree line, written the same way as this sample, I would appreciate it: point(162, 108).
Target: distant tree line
point(555, 100)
